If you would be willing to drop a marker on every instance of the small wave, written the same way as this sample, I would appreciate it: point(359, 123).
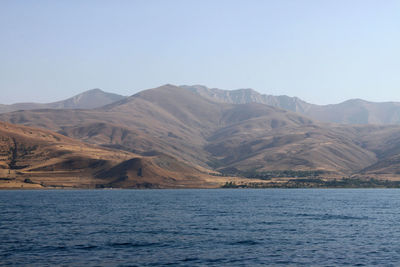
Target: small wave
point(245, 242)
point(331, 216)
point(215, 261)
point(271, 223)
point(86, 247)
point(211, 228)
point(190, 259)
point(131, 244)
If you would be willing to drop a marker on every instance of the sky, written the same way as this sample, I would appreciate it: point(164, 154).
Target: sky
point(324, 52)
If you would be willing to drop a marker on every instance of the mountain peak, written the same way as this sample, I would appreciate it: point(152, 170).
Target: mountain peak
point(94, 90)
point(89, 99)
point(248, 95)
point(354, 101)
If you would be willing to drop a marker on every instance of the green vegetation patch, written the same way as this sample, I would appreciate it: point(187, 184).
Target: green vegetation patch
point(319, 183)
point(268, 175)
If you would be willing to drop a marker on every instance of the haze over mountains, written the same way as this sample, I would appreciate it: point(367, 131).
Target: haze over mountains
point(177, 135)
point(354, 111)
point(89, 99)
point(211, 132)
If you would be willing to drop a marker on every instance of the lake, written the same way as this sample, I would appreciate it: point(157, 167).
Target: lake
point(217, 227)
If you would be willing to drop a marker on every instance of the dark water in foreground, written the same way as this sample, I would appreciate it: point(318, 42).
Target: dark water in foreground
point(200, 227)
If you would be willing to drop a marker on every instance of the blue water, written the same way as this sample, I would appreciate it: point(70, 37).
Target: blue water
point(200, 227)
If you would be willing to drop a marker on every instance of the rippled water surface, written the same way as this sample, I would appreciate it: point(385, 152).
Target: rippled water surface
point(200, 227)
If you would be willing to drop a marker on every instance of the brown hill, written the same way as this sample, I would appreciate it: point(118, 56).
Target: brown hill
point(151, 121)
point(289, 148)
point(198, 131)
point(388, 167)
point(36, 158)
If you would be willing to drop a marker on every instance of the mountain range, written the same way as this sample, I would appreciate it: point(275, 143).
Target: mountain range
point(193, 136)
point(90, 99)
point(354, 111)
point(38, 158)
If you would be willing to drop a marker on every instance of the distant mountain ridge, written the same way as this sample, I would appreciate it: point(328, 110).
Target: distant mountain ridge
point(200, 131)
point(354, 111)
point(174, 126)
point(90, 99)
point(245, 96)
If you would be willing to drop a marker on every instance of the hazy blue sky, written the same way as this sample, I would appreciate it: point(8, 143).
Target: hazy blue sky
point(321, 51)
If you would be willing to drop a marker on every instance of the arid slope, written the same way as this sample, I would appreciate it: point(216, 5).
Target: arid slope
point(37, 158)
point(198, 131)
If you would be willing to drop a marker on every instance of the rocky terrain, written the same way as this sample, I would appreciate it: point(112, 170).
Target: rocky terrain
point(190, 136)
